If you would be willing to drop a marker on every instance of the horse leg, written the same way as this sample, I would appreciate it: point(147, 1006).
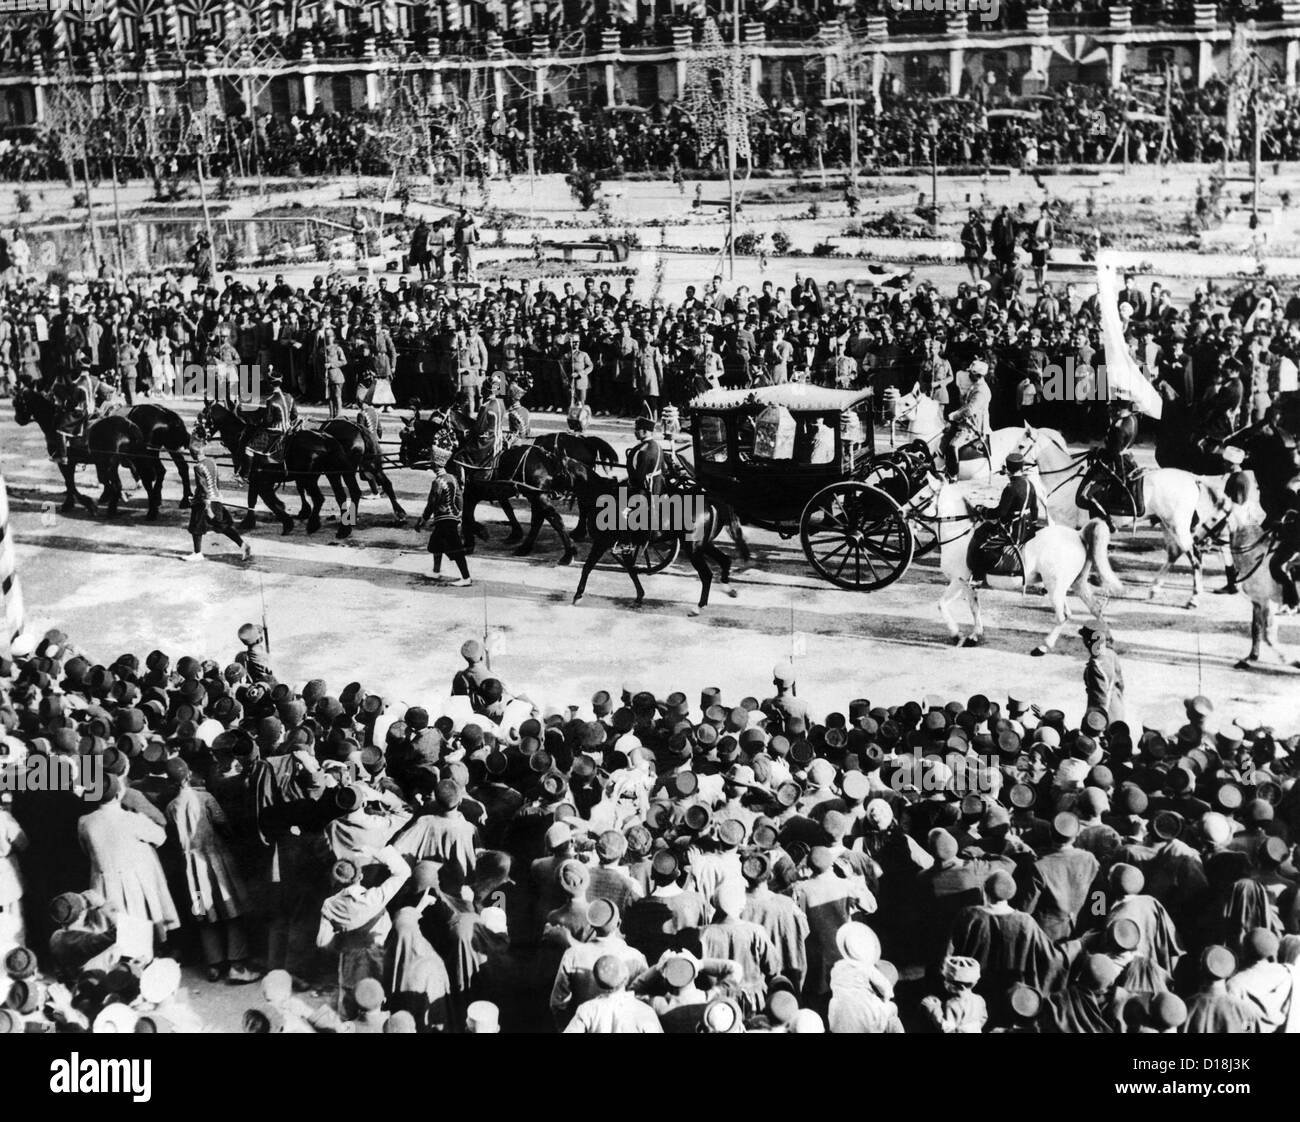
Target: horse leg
point(183, 470)
point(702, 570)
point(1198, 577)
point(597, 551)
point(468, 526)
point(386, 484)
point(72, 495)
point(1057, 592)
point(738, 536)
point(553, 519)
point(266, 492)
point(516, 530)
point(312, 486)
point(348, 495)
point(629, 564)
point(955, 588)
point(249, 521)
point(152, 477)
point(304, 511)
point(112, 484)
point(713, 553)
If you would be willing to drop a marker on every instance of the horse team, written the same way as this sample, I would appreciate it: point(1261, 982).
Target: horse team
point(1187, 505)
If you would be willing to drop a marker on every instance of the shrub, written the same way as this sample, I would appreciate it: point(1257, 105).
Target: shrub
point(823, 249)
point(780, 242)
point(748, 243)
point(23, 201)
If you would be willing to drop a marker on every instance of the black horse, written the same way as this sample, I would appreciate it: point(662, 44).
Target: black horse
point(522, 471)
point(165, 431)
point(362, 449)
point(110, 443)
point(307, 455)
point(590, 451)
point(598, 499)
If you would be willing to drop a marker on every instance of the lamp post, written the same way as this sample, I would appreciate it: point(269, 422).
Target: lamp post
point(932, 127)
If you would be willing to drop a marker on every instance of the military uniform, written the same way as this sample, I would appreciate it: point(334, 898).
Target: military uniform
point(969, 423)
point(1013, 520)
point(645, 464)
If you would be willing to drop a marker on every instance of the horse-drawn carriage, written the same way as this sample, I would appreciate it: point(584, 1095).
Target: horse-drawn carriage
point(797, 459)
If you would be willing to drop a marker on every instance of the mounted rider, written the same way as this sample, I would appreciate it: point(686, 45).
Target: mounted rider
point(645, 460)
point(970, 423)
point(1113, 469)
point(486, 438)
point(81, 394)
point(279, 416)
point(1286, 555)
point(519, 422)
point(1008, 525)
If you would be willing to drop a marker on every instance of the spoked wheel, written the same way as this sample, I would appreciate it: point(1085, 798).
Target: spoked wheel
point(885, 475)
point(657, 554)
point(856, 536)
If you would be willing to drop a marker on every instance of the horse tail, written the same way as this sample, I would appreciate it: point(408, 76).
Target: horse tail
point(1096, 542)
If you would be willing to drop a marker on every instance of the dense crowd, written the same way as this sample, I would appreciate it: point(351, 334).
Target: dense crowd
point(1223, 356)
point(1075, 124)
point(630, 864)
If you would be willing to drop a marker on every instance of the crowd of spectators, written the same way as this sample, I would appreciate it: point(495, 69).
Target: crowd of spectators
point(1075, 124)
point(1223, 355)
point(635, 863)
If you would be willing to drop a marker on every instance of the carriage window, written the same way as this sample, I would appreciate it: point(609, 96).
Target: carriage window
point(711, 433)
point(774, 434)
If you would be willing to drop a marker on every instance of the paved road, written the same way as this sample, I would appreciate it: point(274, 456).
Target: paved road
point(363, 609)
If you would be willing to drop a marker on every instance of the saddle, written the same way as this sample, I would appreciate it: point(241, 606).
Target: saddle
point(1120, 496)
point(977, 448)
point(993, 552)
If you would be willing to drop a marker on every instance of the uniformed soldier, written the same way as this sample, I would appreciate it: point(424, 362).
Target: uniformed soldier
point(207, 512)
point(1015, 518)
point(485, 441)
point(645, 460)
point(1287, 552)
point(1112, 463)
point(80, 393)
point(785, 704)
point(971, 422)
point(279, 414)
point(444, 507)
point(519, 423)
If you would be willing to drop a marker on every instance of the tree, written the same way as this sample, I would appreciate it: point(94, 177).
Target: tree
point(722, 103)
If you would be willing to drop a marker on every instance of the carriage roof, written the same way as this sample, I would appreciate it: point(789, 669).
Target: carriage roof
point(797, 397)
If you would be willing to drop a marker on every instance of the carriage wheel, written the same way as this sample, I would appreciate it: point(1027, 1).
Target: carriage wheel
point(657, 554)
point(856, 536)
point(885, 475)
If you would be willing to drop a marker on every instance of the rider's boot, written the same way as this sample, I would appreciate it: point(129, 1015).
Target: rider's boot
point(1230, 572)
point(950, 463)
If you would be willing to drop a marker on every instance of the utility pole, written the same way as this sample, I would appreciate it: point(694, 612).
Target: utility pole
point(732, 142)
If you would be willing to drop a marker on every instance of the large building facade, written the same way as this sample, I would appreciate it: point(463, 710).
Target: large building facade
point(350, 57)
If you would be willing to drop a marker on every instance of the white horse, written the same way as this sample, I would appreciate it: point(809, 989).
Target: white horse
point(1062, 557)
point(920, 417)
point(1173, 499)
point(1251, 548)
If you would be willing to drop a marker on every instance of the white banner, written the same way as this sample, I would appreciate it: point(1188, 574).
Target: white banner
point(1123, 377)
